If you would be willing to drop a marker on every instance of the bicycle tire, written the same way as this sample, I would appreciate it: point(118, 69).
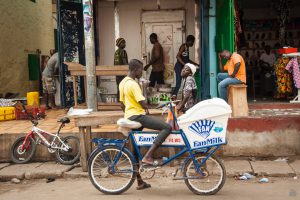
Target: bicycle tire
point(15, 150)
point(73, 155)
point(221, 172)
point(98, 179)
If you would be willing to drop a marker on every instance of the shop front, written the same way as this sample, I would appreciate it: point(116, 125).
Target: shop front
point(262, 30)
point(237, 25)
point(133, 20)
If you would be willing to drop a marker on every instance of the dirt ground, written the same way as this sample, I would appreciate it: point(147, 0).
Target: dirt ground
point(162, 188)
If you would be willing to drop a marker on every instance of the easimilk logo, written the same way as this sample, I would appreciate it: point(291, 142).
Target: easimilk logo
point(202, 127)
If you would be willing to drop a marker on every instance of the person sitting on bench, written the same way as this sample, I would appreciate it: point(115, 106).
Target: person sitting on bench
point(236, 72)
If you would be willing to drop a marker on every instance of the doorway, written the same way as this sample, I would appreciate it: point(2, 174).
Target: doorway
point(170, 29)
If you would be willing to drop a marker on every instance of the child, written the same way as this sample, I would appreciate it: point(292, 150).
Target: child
point(189, 93)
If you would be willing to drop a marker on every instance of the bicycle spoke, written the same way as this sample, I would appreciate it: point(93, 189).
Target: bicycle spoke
point(110, 171)
point(209, 183)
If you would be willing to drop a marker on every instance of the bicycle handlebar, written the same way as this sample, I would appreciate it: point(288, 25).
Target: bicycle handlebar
point(167, 103)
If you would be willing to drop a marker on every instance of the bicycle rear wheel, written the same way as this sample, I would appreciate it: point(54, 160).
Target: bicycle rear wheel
point(19, 155)
point(107, 177)
point(212, 182)
point(72, 155)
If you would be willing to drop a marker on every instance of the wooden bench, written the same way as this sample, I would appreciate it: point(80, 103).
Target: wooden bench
point(237, 99)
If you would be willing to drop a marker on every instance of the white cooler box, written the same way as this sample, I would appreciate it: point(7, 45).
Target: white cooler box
point(205, 124)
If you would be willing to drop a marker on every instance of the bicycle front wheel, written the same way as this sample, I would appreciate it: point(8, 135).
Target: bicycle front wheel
point(20, 153)
point(70, 155)
point(111, 170)
point(213, 179)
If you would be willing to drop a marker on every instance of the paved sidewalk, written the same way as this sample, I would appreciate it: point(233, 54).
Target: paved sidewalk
point(234, 168)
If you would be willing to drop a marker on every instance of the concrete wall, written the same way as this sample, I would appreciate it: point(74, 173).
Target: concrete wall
point(24, 26)
point(259, 137)
point(130, 25)
point(269, 136)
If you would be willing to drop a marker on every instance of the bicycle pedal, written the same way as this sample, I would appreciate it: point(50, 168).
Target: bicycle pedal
point(148, 168)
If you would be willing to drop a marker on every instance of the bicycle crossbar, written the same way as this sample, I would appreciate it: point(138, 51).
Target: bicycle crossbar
point(103, 140)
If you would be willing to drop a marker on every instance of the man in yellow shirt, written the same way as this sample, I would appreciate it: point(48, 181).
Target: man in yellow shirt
point(135, 107)
point(236, 72)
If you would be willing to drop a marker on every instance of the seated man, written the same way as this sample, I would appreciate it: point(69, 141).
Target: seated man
point(136, 109)
point(236, 72)
point(267, 59)
point(266, 62)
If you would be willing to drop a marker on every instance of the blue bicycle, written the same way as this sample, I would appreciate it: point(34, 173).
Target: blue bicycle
point(113, 168)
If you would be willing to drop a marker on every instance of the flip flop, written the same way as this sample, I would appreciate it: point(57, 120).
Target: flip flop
point(143, 186)
point(155, 163)
point(50, 179)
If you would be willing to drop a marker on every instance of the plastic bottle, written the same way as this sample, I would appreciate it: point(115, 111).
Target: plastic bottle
point(264, 180)
point(164, 159)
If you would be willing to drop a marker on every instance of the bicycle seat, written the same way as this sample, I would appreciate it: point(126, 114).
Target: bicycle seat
point(126, 123)
point(64, 120)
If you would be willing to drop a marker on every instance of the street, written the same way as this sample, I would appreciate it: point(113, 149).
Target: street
point(162, 188)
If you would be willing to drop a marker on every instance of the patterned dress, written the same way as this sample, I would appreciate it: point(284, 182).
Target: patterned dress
point(284, 78)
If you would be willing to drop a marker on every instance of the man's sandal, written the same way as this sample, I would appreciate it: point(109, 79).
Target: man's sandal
point(144, 185)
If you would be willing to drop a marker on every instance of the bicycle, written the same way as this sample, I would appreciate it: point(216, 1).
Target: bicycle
point(66, 149)
point(112, 167)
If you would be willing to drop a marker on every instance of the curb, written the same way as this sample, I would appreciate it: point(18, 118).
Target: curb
point(161, 174)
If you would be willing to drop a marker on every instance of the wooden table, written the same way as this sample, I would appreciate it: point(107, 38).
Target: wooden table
point(77, 69)
point(85, 122)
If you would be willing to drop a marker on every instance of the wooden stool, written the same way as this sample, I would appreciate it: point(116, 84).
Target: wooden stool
point(237, 99)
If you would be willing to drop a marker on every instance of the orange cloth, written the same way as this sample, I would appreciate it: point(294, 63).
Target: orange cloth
point(171, 120)
point(234, 59)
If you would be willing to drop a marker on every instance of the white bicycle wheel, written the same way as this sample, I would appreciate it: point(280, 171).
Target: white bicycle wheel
point(107, 177)
point(212, 182)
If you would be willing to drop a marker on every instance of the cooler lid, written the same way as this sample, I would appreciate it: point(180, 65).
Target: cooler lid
point(206, 109)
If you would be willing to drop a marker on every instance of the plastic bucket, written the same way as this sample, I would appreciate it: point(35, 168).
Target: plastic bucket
point(33, 99)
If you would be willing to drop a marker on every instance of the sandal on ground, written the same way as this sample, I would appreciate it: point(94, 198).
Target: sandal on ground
point(144, 185)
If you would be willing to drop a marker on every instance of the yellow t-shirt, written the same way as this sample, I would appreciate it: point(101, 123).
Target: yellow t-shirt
point(130, 95)
point(236, 58)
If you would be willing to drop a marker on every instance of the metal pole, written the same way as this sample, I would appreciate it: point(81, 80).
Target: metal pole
point(90, 54)
point(117, 22)
point(60, 54)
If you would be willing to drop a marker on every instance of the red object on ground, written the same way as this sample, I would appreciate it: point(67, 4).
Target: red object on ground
point(287, 50)
point(20, 115)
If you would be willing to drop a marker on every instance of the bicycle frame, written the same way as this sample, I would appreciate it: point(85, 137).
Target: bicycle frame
point(180, 141)
point(52, 145)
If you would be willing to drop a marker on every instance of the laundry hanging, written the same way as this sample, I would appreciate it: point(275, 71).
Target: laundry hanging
point(293, 67)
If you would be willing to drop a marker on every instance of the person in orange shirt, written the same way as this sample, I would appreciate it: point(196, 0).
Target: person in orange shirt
point(236, 69)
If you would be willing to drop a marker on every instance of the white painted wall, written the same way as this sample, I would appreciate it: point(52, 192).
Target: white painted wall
point(105, 26)
point(130, 25)
point(24, 25)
